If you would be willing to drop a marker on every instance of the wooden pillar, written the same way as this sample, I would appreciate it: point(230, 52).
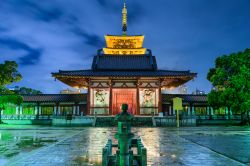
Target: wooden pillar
point(212, 111)
point(54, 110)
point(17, 110)
point(20, 109)
point(88, 99)
point(77, 109)
point(57, 108)
point(74, 109)
point(39, 110)
point(191, 109)
point(137, 98)
point(209, 112)
point(110, 97)
point(160, 101)
point(170, 110)
point(36, 109)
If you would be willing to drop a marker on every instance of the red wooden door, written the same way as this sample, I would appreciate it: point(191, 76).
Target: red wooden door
point(121, 96)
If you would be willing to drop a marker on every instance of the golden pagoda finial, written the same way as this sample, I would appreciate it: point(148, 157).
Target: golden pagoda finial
point(124, 20)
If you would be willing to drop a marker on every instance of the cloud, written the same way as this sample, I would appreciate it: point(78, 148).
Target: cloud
point(135, 13)
point(32, 55)
point(90, 39)
point(31, 58)
point(40, 11)
point(2, 29)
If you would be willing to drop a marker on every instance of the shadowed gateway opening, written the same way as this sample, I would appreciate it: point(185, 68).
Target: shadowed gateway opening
point(120, 96)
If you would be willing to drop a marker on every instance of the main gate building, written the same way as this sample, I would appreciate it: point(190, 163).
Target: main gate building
point(124, 72)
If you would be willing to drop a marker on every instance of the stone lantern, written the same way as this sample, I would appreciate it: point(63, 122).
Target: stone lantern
point(124, 135)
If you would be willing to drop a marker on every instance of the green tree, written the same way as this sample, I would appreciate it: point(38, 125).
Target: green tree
point(6, 99)
point(231, 79)
point(28, 91)
point(8, 75)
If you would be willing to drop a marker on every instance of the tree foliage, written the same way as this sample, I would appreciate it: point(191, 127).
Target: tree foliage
point(231, 79)
point(27, 91)
point(6, 99)
point(9, 73)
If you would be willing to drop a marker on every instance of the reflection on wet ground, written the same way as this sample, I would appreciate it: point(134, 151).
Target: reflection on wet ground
point(17, 143)
point(166, 146)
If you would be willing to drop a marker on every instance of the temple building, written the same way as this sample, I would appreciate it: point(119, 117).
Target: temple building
point(124, 72)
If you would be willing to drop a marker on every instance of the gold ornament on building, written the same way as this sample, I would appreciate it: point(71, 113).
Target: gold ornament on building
point(124, 44)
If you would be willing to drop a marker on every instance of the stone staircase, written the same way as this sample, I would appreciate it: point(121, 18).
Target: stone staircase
point(106, 121)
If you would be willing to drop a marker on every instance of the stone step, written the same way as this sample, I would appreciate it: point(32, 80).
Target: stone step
point(137, 121)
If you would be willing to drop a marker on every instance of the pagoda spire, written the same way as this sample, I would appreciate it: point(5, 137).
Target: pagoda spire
point(124, 20)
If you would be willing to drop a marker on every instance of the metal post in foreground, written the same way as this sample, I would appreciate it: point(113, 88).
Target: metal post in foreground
point(177, 118)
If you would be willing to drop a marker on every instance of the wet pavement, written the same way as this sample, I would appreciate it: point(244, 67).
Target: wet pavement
point(47, 146)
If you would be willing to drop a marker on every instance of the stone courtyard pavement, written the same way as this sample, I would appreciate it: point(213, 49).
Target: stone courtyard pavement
point(45, 146)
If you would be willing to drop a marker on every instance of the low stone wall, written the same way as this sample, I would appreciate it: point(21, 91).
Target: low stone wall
point(171, 121)
point(76, 121)
point(17, 121)
point(105, 121)
point(27, 121)
point(219, 122)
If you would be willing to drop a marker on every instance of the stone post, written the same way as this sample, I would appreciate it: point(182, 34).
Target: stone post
point(227, 113)
point(17, 110)
point(160, 100)
point(39, 110)
point(212, 111)
point(55, 110)
point(193, 110)
point(78, 109)
point(74, 110)
point(58, 109)
point(36, 110)
point(207, 111)
point(21, 109)
point(189, 111)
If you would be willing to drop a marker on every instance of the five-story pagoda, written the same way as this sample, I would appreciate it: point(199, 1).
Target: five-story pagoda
point(124, 72)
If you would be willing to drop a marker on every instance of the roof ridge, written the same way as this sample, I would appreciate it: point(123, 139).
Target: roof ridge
point(52, 94)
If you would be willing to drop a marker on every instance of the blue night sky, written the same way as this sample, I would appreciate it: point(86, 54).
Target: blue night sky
point(45, 36)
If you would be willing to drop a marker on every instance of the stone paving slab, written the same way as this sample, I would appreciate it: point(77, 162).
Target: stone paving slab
point(229, 146)
point(171, 149)
point(165, 147)
point(15, 144)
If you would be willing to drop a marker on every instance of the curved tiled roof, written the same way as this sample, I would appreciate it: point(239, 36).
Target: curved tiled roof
point(186, 98)
point(123, 62)
point(166, 98)
point(55, 98)
point(121, 73)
